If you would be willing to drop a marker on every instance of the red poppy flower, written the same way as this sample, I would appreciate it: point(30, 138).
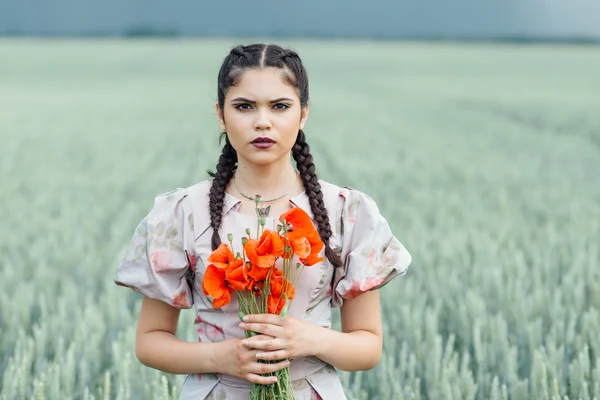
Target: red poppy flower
point(235, 275)
point(262, 253)
point(278, 284)
point(299, 243)
point(307, 245)
point(303, 231)
point(275, 304)
point(221, 257)
point(298, 219)
point(270, 243)
point(257, 273)
point(281, 290)
point(214, 284)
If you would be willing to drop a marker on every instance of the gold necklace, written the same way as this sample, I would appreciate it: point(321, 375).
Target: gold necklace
point(263, 210)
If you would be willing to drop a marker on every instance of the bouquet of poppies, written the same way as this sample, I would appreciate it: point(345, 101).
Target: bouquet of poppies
point(263, 276)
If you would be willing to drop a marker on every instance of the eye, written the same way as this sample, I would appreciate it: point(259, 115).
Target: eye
point(281, 106)
point(243, 106)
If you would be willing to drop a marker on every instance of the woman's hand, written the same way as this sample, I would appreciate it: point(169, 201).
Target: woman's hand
point(241, 361)
point(285, 338)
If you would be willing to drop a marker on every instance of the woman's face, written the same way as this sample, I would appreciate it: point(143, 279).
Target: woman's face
point(262, 115)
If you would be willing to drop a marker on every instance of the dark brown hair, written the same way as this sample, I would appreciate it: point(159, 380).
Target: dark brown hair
point(239, 60)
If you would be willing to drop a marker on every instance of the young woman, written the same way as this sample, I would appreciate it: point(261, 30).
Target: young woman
point(262, 109)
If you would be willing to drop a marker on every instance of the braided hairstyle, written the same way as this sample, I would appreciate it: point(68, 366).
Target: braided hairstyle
point(240, 59)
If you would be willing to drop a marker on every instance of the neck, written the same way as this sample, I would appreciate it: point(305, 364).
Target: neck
point(269, 181)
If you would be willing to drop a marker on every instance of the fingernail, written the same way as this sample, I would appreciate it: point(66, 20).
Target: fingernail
point(245, 318)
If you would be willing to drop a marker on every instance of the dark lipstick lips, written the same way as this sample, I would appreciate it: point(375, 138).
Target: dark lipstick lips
point(263, 140)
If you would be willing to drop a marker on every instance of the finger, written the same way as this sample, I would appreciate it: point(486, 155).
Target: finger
point(261, 368)
point(256, 338)
point(272, 355)
point(251, 343)
point(263, 318)
point(265, 344)
point(267, 329)
point(261, 380)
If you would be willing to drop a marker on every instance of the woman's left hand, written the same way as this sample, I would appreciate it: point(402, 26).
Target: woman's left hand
point(292, 338)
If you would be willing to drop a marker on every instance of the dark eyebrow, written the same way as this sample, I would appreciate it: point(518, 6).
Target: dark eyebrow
point(279, 100)
point(244, 100)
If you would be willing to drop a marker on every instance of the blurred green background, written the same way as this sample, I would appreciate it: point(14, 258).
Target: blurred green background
point(484, 158)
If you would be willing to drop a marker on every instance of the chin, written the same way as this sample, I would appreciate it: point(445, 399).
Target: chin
point(265, 158)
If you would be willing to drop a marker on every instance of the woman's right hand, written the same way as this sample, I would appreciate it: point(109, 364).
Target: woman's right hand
point(238, 360)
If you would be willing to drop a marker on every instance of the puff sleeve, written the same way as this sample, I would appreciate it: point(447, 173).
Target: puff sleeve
point(160, 255)
point(372, 256)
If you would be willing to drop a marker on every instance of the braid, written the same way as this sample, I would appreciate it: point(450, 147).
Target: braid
point(240, 51)
point(304, 162)
point(287, 53)
point(225, 170)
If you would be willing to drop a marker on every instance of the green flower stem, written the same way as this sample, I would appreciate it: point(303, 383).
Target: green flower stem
point(256, 201)
point(255, 303)
point(297, 273)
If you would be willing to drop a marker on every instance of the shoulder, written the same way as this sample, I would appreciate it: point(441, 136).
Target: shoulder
point(195, 193)
point(199, 197)
point(342, 190)
point(346, 197)
point(181, 203)
point(170, 199)
point(200, 189)
point(170, 209)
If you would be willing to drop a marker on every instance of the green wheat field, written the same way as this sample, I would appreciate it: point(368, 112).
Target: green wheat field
point(484, 158)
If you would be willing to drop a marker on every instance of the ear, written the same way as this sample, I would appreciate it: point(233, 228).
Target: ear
point(220, 117)
point(304, 116)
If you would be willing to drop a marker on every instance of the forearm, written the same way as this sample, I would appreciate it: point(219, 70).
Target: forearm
point(167, 353)
point(353, 351)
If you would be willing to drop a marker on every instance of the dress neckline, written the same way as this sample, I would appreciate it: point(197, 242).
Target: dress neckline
point(299, 200)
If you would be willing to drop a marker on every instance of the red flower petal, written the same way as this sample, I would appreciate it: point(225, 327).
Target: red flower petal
point(214, 281)
point(222, 256)
point(223, 300)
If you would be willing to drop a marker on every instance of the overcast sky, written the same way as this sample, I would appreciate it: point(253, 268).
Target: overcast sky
point(539, 18)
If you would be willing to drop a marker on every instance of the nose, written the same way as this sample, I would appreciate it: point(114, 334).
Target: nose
point(263, 120)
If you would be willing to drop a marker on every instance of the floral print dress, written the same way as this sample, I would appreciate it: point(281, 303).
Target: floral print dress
point(167, 257)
